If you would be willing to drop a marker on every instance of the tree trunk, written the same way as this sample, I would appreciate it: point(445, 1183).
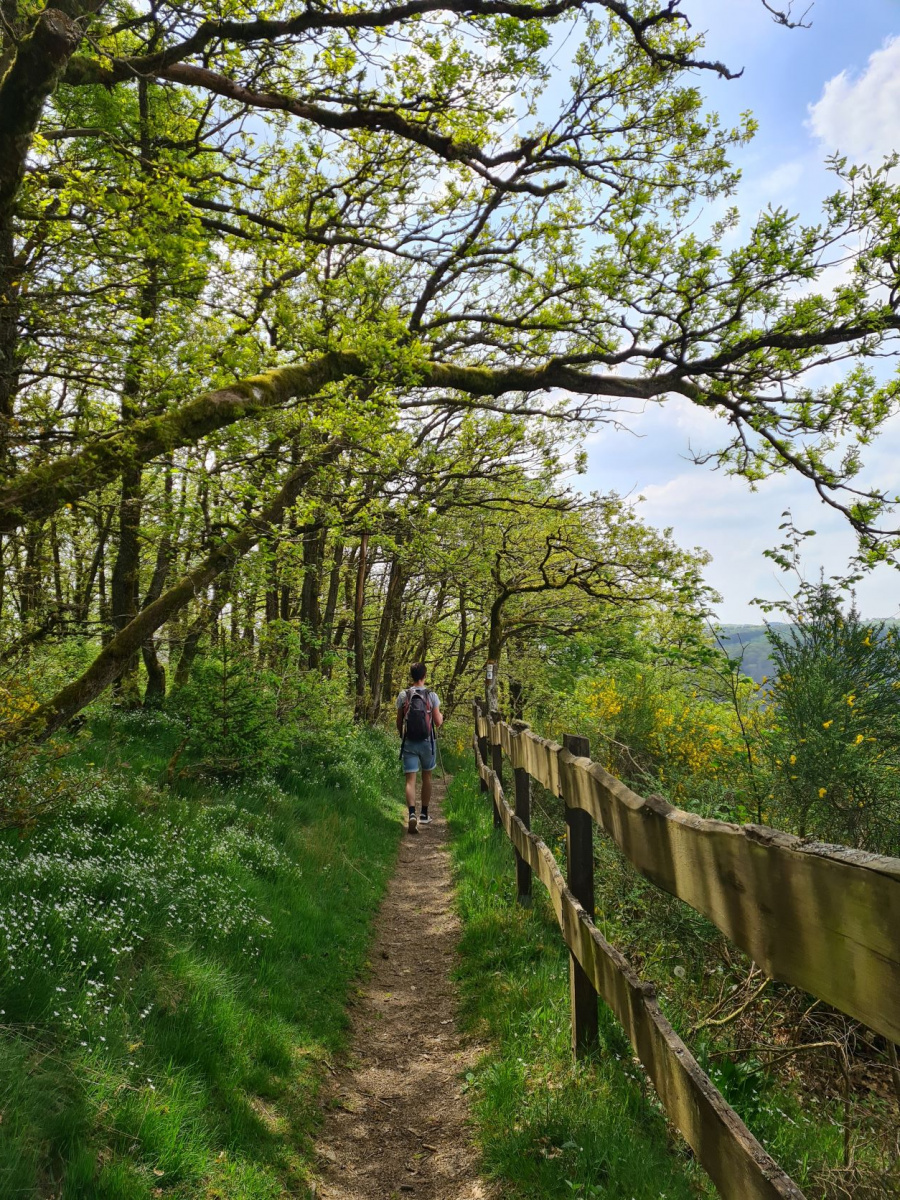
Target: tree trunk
point(10, 316)
point(310, 608)
point(359, 648)
point(57, 573)
point(429, 624)
point(392, 601)
point(390, 655)
point(155, 691)
point(109, 663)
point(36, 65)
point(124, 598)
point(334, 584)
point(495, 634)
point(190, 647)
point(459, 665)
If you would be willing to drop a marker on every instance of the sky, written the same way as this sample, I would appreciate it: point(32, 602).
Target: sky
point(832, 87)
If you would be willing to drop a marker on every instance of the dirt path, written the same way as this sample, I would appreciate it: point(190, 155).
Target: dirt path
point(397, 1124)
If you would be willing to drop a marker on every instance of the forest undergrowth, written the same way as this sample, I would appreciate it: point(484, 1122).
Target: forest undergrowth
point(177, 959)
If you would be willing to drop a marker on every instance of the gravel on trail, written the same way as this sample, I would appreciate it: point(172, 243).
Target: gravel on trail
point(397, 1120)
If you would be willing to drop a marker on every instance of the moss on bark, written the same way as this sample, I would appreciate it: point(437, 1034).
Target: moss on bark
point(43, 491)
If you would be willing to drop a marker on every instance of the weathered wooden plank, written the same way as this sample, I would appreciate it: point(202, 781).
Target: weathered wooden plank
point(481, 721)
point(495, 725)
point(480, 738)
point(736, 1162)
point(824, 918)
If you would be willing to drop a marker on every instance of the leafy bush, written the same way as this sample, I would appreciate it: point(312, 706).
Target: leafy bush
point(245, 710)
point(835, 745)
point(653, 727)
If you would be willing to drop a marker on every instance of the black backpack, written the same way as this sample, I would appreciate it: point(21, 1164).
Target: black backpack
point(418, 725)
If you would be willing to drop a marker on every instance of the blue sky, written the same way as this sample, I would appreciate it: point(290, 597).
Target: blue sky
point(832, 87)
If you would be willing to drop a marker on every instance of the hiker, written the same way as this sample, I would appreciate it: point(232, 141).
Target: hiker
point(418, 716)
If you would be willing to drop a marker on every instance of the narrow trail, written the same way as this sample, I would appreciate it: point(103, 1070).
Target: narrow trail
point(397, 1119)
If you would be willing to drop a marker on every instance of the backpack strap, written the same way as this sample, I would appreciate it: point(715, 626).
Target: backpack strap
point(404, 708)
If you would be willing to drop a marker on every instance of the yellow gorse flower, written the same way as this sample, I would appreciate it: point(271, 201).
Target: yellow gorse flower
point(822, 792)
point(827, 724)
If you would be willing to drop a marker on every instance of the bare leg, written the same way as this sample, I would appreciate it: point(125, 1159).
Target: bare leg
point(426, 788)
point(411, 789)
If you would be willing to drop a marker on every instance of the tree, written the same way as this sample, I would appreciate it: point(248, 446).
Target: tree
point(379, 251)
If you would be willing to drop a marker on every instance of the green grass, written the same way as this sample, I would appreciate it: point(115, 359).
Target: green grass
point(175, 967)
point(547, 1127)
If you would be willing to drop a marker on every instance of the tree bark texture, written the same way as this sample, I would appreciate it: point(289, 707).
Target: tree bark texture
point(389, 615)
point(31, 79)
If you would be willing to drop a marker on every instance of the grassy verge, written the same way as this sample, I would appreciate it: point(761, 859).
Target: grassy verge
point(175, 965)
point(547, 1128)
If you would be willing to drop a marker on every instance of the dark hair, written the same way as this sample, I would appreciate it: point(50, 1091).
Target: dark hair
point(417, 672)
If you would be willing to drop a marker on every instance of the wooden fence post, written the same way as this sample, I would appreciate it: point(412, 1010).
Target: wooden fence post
point(523, 812)
point(580, 878)
point(496, 763)
point(482, 744)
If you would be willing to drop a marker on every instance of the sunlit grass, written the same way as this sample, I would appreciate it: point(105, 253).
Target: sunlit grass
point(174, 968)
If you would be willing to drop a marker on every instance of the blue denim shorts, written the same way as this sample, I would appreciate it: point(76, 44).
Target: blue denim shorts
point(418, 754)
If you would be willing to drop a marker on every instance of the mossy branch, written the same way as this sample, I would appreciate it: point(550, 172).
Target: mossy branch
point(44, 490)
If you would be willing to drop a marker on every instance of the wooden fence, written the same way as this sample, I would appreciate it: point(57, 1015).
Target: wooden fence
point(823, 918)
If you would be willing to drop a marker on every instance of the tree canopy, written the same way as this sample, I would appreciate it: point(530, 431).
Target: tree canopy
point(283, 293)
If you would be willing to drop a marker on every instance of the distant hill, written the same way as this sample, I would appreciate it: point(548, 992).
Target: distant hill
point(753, 639)
point(754, 642)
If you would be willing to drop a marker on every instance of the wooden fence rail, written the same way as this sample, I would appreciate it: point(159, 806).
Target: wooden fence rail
point(821, 917)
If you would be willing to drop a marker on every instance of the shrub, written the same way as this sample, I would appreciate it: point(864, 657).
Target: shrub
point(657, 730)
point(835, 744)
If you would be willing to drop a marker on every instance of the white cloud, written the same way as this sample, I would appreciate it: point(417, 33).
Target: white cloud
point(860, 117)
point(720, 513)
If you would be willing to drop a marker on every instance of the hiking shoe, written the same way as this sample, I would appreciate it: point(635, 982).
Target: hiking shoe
point(424, 819)
point(412, 824)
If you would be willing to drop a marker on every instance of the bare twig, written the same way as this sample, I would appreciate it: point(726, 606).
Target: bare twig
point(785, 16)
point(719, 1021)
point(895, 1069)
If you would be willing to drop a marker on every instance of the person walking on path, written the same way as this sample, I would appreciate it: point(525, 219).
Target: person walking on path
point(419, 716)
